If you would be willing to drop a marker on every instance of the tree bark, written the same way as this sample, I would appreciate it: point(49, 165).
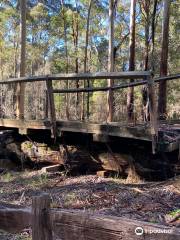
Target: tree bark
point(162, 102)
point(111, 60)
point(75, 26)
point(21, 86)
point(145, 102)
point(147, 28)
point(130, 94)
point(153, 28)
point(66, 55)
point(86, 62)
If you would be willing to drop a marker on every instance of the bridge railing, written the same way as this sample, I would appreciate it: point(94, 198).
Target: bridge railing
point(73, 97)
point(68, 96)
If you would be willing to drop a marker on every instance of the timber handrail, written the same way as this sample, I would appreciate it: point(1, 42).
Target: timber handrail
point(81, 76)
point(115, 87)
point(92, 76)
point(48, 224)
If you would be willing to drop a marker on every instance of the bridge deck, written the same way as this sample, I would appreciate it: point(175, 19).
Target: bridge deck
point(138, 132)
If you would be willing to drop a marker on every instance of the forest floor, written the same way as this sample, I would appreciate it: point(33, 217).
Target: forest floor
point(155, 202)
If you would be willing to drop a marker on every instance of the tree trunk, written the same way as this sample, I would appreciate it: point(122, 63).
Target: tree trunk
point(75, 25)
point(130, 94)
point(145, 102)
point(15, 47)
point(164, 61)
point(147, 26)
point(153, 27)
point(86, 63)
point(111, 60)
point(66, 55)
point(1, 62)
point(21, 86)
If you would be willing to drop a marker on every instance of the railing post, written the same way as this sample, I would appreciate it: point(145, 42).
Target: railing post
point(110, 100)
point(41, 225)
point(51, 107)
point(20, 90)
point(153, 113)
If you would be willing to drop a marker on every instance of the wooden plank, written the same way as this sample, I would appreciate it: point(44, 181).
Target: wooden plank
point(53, 168)
point(100, 89)
point(41, 226)
point(51, 107)
point(153, 113)
point(72, 225)
point(115, 87)
point(20, 90)
point(14, 219)
point(168, 78)
point(81, 76)
point(25, 124)
point(168, 147)
point(113, 129)
point(92, 76)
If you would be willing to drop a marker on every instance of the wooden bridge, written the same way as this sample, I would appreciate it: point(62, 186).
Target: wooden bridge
point(43, 102)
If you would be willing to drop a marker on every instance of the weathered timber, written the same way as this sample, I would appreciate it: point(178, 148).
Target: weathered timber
point(51, 107)
point(14, 219)
point(113, 129)
point(41, 227)
point(54, 168)
point(91, 76)
point(23, 124)
point(41, 153)
point(81, 76)
point(115, 87)
point(20, 90)
point(71, 225)
point(48, 224)
point(153, 113)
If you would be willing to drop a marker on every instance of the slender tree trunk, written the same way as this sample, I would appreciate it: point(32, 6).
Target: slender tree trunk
point(1, 63)
point(153, 28)
point(110, 96)
point(164, 61)
point(67, 59)
point(130, 94)
point(75, 25)
point(21, 86)
point(86, 64)
point(147, 28)
point(15, 56)
point(145, 102)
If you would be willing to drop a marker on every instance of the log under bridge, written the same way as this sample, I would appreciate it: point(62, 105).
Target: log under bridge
point(45, 104)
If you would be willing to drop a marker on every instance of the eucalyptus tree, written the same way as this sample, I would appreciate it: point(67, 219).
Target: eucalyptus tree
point(130, 94)
point(164, 60)
point(21, 86)
point(111, 59)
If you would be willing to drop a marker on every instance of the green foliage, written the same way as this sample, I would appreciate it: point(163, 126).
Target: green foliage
point(47, 22)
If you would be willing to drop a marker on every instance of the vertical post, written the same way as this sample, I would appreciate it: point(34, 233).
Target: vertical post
point(153, 113)
point(51, 107)
point(41, 225)
point(46, 105)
